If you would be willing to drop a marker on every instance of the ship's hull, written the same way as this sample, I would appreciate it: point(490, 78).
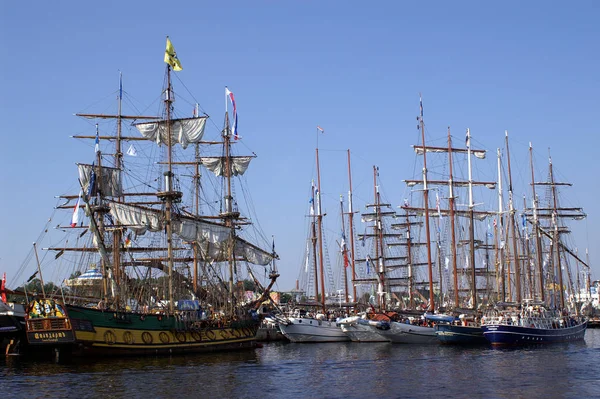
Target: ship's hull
point(501, 334)
point(95, 332)
point(461, 335)
point(12, 326)
point(359, 330)
point(402, 333)
point(312, 330)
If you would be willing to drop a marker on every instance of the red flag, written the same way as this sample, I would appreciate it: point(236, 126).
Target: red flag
point(3, 287)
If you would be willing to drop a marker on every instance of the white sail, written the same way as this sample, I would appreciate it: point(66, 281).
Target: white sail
point(217, 164)
point(419, 151)
point(183, 131)
point(109, 183)
point(140, 220)
point(212, 238)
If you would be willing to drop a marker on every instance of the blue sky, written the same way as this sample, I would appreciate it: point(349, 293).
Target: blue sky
point(527, 67)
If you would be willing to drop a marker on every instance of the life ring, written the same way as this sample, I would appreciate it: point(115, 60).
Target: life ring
point(159, 317)
point(147, 337)
point(110, 337)
point(142, 317)
point(180, 336)
point(128, 337)
point(164, 337)
point(196, 335)
point(210, 334)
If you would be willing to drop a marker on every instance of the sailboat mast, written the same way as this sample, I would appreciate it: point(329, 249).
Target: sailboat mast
point(314, 243)
point(556, 238)
point(320, 228)
point(118, 233)
point(351, 227)
point(452, 221)
point(513, 223)
point(499, 226)
point(379, 255)
point(471, 223)
point(344, 249)
point(169, 189)
point(229, 208)
point(426, 208)
point(528, 256)
point(536, 227)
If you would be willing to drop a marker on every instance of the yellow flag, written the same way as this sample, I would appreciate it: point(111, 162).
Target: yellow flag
point(171, 57)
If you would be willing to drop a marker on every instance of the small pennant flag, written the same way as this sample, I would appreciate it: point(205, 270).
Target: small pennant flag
point(132, 151)
point(3, 288)
point(128, 241)
point(171, 56)
point(319, 128)
point(230, 96)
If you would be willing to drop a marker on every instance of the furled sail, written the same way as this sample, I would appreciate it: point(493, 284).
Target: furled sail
point(136, 218)
point(217, 164)
point(419, 150)
point(212, 238)
point(183, 131)
point(109, 183)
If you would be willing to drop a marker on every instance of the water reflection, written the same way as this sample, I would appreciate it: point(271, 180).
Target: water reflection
point(349, 370)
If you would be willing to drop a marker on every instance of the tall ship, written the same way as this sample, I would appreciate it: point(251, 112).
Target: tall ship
point(160, 256)
point(539, 305)
point(315, 319)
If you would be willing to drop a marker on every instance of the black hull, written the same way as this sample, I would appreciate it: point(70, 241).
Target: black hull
point(460, 335)
point(499, 334)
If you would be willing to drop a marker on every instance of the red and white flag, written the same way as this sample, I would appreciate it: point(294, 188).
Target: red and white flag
point(75, 218)
point(231, 98)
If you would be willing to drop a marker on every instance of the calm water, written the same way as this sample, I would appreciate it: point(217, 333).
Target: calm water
point(336, 370)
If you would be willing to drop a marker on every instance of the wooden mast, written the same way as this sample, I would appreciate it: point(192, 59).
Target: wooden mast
point(320, 229)
point(169, 194)
point(499, 232)
point(314, 240)
point(344, 249)
point(351, 227)
point(426, 207)
point(471, 224)
point(513, 222)
point(556, 237)
point(537, 228)
point(452, 221)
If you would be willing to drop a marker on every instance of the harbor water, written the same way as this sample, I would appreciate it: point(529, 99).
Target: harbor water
point(328, 370)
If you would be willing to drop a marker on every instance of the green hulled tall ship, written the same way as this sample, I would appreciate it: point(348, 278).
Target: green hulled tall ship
point(163, 261)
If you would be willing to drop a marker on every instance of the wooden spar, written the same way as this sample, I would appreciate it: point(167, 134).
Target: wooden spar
point(452, 221)
point(320, 228)
point(314, 240)
point(556, 239)
point(426, 206)
point(409, 263)
point(195, 248)
point(118, 233)
point(537, 228)
point(169, 190)
point(344, 249)
point(528, 257)
point(37, 259)
point(513, 222)
point(501, 285)
point(118, 116)
point(379, 246)
point(471, 224)
point(351, 227)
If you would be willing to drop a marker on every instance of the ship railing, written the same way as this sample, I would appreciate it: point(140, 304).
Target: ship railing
point(48, 324)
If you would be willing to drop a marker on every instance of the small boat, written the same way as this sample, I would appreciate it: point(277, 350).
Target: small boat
point(361, 329)
point(411, 331)
point(458, 330)
point(303, 328)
